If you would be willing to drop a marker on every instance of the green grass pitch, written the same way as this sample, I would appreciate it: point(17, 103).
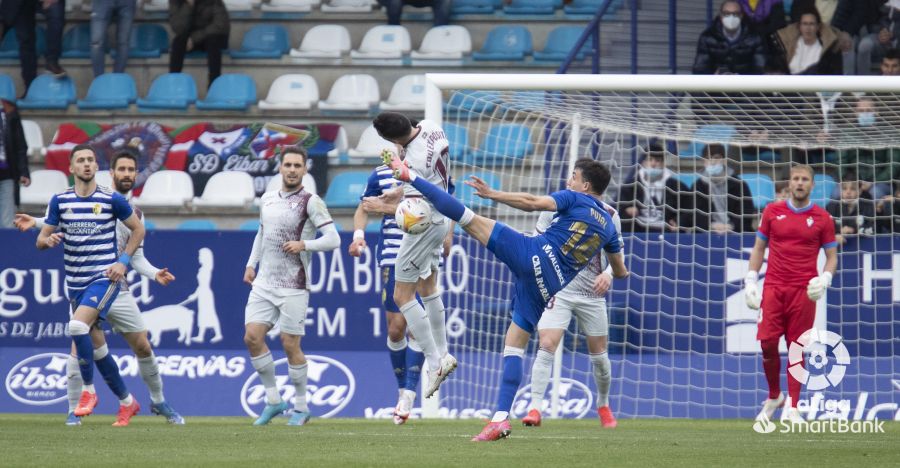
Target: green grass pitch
point(43, 440)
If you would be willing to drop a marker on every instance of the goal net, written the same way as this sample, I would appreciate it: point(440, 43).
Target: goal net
point(694, 161)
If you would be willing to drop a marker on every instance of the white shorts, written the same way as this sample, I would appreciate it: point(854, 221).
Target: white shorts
point(124, 315)
point(288, 310)
point(420, 254)
point(591, 314)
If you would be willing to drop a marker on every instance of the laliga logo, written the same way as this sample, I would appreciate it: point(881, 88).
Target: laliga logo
point(818, 359)
point(575, 399)
point(39, 380)
point(330, 386)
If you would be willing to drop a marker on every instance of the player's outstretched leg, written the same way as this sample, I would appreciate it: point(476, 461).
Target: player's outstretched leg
point(445, 203)
point(602, 378)
point(540, 378)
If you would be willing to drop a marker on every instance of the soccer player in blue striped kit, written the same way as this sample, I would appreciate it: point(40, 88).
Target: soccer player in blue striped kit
point(543, 264)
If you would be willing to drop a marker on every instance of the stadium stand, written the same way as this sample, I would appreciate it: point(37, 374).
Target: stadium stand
point(170, 91)
point(173, 189)
point(110, 91)
point(293, 91)
point(44, 184)
point(264, 41)
point(324, 41)
point(148, 40)
point(451, 42)
point(77, 42)
point(761, 188)
point(505, 43)
point(48, 92)
point(345, 189)
point(407, 94)
point(35, 138)
point(232, 91)
point(384, 42)
point(370, 144)
point(356, 92)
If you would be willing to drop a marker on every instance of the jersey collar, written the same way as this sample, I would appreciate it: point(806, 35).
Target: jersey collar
point(799, 210)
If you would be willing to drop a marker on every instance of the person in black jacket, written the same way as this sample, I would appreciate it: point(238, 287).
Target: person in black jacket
point(729, 45)
point(199, 25)
point(723, 202)
point(855, 19)
point(13, 162)
point(853, 214)
point(655, 200)
point(809, 47)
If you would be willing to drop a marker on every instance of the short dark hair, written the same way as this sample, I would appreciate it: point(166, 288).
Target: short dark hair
point(295, 149)
point(891, 54)
point(392, 125)
point(812, 10)
point(82, 147)
point(595, 173)
point(715, 148)
point(124, 153)
point(655, 154)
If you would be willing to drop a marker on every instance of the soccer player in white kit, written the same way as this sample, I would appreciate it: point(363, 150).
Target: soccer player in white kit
point(124, 314)
point(585, 298)
point(426, 151)
point(288, 221)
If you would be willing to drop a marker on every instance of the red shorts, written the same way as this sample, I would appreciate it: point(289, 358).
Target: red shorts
point(785, 310)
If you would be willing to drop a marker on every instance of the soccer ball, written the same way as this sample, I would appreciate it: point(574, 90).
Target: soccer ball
point(413, 215)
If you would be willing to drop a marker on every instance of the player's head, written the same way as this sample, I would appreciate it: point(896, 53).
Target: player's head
point(124, 170)
point(83, 162)
point(809, 24)
point(293, 167)
point(801, 183)
point(850, 190)
point(890, 64)
point(589, 176)
point(393, 127)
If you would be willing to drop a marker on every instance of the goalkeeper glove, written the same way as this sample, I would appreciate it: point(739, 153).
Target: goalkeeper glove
point(752, 294)
point(817, 286)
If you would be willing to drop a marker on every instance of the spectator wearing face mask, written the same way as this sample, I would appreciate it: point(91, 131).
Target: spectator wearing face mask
point(723, 202)
point(655, 201)
point(852, 214)
point(875, 169)
point(729, 45)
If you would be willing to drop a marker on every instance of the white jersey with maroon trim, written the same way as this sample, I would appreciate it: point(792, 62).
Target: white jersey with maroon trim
point(427, 154)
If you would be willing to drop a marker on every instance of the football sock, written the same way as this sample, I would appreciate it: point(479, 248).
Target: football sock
point(540, 377)
point(418, 324)
point(398, 360)
point(84, 349)
point(794, 386)
point(297, 373)
point(445, 203)
point(150, 375)
point(512, 377)
point(265, 367)
point(128, 400)
point(772, 367)
point(414, 360)
point(110, 371)
point(434, 307)
point(74, 383)
point(602, 377)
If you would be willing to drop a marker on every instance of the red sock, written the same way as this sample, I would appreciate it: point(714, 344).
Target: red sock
point(772, 367)
point(794, 386)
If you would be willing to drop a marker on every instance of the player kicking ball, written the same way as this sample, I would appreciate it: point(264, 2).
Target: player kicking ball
point(288, 221)
point(542, 265)
point(585, 297)
point(794, 230)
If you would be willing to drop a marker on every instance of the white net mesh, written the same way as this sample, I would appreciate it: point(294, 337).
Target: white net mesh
point(682, 341)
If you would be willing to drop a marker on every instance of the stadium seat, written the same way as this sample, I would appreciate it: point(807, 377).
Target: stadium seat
point(170, 91)
point(373, 226)
point(762, 189)
point(309, 184)
point(471, 101)
point(458, 137)
point(104, 178)
point(289, 6)
point(231, 91)
point(348, 6)
point(241, 7)
point(149, 225)
point(9, 47)
point(475, 7)
point(110, 91)
point(530, 7)
point(370, 144)
point(197, 225)
point(590, 7)
point(34, 137)
point(444, 43)
point(166, 189)
point(156, 6)
point(352, 93)
point(72, 5)
point(227, 189)
point(511, 43)
point(718, 133)
point(345, 189)
point(407, 94)
point(47, 92)
point(466, 194)
point(823, 190)
point(504, 144)
point(560, 41)
point(383, 42)
point(294, 91)
point(263, 41)
point(148, 40)
point(7, 88)
point(251, 225)
point(44, 184)
point(77, 41)
point(325, 41)
point(687, 178)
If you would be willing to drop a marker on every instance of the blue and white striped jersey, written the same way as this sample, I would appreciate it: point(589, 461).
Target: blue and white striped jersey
point(380, 181)
point(88, 225)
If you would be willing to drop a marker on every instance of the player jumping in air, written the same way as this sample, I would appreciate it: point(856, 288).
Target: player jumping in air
point(585, 298)
point(794, 230)
point(288, 221)
point(124, 315)
point(426, 151)
point(543, 264)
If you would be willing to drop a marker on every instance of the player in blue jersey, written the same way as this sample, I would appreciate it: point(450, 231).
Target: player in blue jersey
point(543, 264)
point(83, 219)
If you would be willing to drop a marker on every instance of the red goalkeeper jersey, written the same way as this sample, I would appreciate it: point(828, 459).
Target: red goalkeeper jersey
point(795, 237)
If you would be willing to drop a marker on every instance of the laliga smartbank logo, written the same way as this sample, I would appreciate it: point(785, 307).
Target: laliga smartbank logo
point(810, 343)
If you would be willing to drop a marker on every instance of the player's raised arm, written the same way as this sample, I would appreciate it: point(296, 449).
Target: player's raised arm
point(519, 200)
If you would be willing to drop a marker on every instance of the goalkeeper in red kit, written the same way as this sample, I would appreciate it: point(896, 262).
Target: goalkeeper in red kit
point(794, 230)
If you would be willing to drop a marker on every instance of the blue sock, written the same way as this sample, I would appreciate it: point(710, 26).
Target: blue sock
point(512, 378)
point(414, 360)
point(110, 372)
point(85, 351)
point(442, 201)
point(398, 362)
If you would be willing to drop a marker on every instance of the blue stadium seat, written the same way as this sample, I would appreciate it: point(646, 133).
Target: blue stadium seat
point(590, 7)
point(197, 225)
point(823, 190)
point(110, 91)
point(251, 225)
point(345, 189)
point(263, 41)
point(459, 140)
point(466, 194)
point(234, 91)
point(530, 7)
point(149, 225)
point(503, 144)
point(471, 101)
point(374, 226)
point(560, 41)
point(687, 178)
point(9, 48)
point(148, 40)
point(47, 92)
point(475, 7)
point(719, 133)
point(7, 88)
point(505, 43)
point(77, 41)
point(762, 189)
point(170, 91)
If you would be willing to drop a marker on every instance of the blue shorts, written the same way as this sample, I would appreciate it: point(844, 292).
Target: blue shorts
point(387, 289)
point(98, 295)
point(535, 281)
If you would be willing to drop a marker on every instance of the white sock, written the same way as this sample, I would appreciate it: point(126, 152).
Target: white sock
point(265, 367)
point(298, 378)
point(413, 345)
point(417, 323)
point(602, 377)
point(88, 388)
point(500, 416)
point(434, 307)
point(127, 400)
point(540, 377)
point(150, 375)
point(74, 382)
point(397, 345)
point(466, 218)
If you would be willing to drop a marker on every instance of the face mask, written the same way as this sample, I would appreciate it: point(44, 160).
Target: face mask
point(652, 172)
point(731, 22)
point(866, 119)
point(715, 169)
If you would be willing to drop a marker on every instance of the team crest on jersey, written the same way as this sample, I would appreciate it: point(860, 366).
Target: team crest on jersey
point(780, 217)
point(97, 208)
point(809, 221)
point(294, 205)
